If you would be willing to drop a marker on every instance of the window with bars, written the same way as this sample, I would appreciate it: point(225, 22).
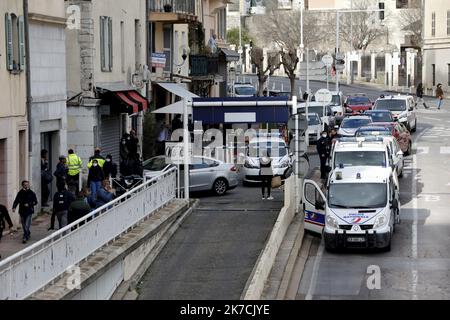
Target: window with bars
point(433, 24)
point(106, 44)
point(15, 42)
point(433, 70)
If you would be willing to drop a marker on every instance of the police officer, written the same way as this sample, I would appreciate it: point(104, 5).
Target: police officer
point(97, 156)
point(74, 165)
point(323, 149)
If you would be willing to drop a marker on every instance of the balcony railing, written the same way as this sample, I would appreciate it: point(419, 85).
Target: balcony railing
point(175, 6)
point(202, 65)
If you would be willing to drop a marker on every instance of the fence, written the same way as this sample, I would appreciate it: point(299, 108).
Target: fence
point(176, 6)
point(43, 262)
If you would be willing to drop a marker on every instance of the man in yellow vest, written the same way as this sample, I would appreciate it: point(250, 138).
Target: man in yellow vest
point(97, 156)
point(74, 165)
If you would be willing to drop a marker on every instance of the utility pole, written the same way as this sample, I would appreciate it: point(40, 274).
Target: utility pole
point(351, 41)
point(302, 46)
point(337, 47)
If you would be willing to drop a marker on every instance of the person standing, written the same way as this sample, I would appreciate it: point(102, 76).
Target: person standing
point(61, 202)
point(110, 168)
point(95, 179)
point(323, 149)
point(123, 147)
point(26, 200)
point(419, 94)
point(177, 123)
point(74, 165)
point(97, 156)
point(79, 208)
point(266, 174)
point(440, 95)
point(132, 143)
point(4, 219)
point(46, 178)
point(61, 172)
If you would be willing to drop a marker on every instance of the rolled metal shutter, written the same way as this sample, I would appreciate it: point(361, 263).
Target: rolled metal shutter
point(110, 137)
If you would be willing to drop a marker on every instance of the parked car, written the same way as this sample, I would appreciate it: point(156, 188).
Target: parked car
point(204, 173)
point(325, 113)
point(400, 133)
point(314, 127)
point(244, 90)
point(402, 108)
point(357, 103)
point(350, 125)
point(384, 116)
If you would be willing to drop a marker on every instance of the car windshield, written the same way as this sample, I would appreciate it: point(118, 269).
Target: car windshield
point(267, 149)
point(245, 91)
point(373, 132)
point(360, 158)
point(155, 164)
point(357, 195)
point(358, 101)
point(316, 109)
point(350, 123)
point(391, 105)
point(336, 100)
point(381, 117)
point(313, 120)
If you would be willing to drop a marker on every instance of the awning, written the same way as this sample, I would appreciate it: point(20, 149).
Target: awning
point(122, 96)
point(175, 108)
point(126, 94)
point(177, 90)
point(230, 55)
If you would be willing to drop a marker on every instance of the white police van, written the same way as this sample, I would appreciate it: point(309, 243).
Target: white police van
point(359, 208)
point(402, 108)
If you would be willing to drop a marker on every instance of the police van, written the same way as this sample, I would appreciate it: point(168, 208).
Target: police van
point(358, 208)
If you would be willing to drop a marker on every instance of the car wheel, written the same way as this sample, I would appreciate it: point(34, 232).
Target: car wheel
point(220, 186)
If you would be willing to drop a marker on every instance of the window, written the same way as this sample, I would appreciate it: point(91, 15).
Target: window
point(433, 24)
point(137, 44)
point(233, 6)
point(448, 74)
point(433, 70)
point(106, 46)
point(448, 22)
point(15, 42)
point(122, 46)
point(221, 24)
point(402, 4)
point(167, 46)
point(310, 193)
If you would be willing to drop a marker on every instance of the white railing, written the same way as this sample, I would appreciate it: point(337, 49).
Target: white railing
point(33, 268)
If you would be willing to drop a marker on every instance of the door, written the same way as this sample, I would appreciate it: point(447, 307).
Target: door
point(314, 203)
point(200, 175)
point(110, 137)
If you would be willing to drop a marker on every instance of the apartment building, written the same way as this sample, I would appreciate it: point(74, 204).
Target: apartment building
point(106, 58)
point(13, 110)
point(436, 47)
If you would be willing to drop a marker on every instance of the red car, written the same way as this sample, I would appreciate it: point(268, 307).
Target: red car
point(400, 133)
point(357, 104)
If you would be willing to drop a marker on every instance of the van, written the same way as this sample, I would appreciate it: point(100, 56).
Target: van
point(358, 208)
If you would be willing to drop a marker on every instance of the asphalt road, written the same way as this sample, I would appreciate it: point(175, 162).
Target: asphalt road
point(418, 266)
point(213, 253)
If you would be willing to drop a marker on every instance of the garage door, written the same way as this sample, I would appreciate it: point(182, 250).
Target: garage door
point(110, 137)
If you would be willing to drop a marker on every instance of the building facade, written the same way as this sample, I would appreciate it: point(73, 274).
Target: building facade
point(436, 48)
point(48, 119)
point(13, 110)
point(106, 59)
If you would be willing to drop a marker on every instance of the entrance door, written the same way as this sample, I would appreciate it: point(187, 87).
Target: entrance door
point(314, 202)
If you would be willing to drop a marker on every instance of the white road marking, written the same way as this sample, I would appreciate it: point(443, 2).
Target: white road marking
point(315, 273)
point(423, 150)
point(445, 150)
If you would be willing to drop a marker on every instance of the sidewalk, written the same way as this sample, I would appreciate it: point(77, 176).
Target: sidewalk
point(12, 242)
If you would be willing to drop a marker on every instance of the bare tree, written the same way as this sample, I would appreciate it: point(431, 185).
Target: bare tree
point(411, 22)
point(290, 60)
point(273, 63)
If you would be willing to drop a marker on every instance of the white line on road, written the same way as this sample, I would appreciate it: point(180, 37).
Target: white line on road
point(445, 150)
point(315, 273)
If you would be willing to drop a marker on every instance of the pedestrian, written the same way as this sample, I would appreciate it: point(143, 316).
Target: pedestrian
point(74, 165)
point(138, 169)
point(266, 174)
point(333, 136)
point(61, 172)
point(439, 95)
point(419, 94)
point(4, 219)
point(163, 136)
point(95, 178)
point(61, 203)
point(123, 147)
point(26, 200)
point(132, 143)
point(97, 156)
point(110, 168)
point(323, 149)
point(79, 207)
point(176, 123)
point(46, 178)
point(105, 194)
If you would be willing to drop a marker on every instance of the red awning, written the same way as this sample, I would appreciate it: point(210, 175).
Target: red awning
point(128, 101)
point(138, 98)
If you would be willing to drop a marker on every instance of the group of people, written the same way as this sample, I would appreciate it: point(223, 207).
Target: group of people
point(324, 146)
point(130, 163)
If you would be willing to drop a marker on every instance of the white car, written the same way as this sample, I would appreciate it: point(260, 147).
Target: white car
point(402, 108)
point(273, 147)
point(325, 113)
point(315, 127)
point(337, 104)
point(243, 90)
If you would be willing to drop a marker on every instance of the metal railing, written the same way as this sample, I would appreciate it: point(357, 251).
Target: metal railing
point(31, 269)
point(202, 65)
point(176, 6)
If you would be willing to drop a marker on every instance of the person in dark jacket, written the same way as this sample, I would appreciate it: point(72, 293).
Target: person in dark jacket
point(105, 194)
point(440, 95)
point(419, 94)
point(123, 147)
point(4, 219)
point(176, 123)
point(95, 178)
point(26, 200)
point(323, 149)
point(132, 143)
point(61, 202)
point(266, 174)
point(110, 168)
point(80, 207)
point(61, 172)
point(46, 178)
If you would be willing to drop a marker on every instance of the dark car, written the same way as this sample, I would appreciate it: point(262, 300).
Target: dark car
point(357, 104)
point(380, 115)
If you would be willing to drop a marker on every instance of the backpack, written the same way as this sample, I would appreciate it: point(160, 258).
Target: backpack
point(61, 203)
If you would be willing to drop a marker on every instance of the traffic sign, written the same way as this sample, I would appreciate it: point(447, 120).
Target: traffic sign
point(327, 60)
point(324, 96)
point(340, 56)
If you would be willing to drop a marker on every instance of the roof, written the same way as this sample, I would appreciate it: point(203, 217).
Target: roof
point(367, 174)
point(358, 117)
point(373, 128)
point(368, 144)
point(114, 86)
point(392, 97)
point(230, 55)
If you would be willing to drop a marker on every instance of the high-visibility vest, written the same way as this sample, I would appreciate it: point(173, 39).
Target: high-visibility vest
point(74, 164)
point(100, 161)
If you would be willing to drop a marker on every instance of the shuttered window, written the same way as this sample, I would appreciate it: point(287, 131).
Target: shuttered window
point(15, 42)
point(106, 45)
point(21, 27)
point(9, 42)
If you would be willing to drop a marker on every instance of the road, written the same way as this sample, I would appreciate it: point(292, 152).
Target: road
point(213, 253)
point(418, 266)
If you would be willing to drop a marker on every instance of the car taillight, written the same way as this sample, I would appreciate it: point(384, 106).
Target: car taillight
point(234, 169)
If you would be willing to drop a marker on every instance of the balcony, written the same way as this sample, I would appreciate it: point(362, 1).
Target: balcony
point(203, 67)
point(172, 11)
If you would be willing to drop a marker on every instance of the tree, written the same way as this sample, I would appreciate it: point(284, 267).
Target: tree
point(273, 63)
point(411, 22)
point(233, 37)
point(290, 60)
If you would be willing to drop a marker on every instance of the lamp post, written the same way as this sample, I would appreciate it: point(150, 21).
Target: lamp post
point(302, 46)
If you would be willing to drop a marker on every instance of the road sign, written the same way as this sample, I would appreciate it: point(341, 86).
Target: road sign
point(327, 60)
point(323, 96)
